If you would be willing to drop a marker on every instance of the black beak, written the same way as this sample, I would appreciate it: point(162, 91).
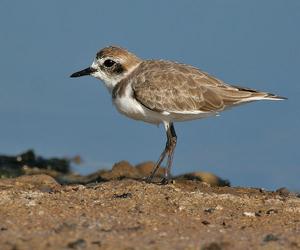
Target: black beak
point(83, 72)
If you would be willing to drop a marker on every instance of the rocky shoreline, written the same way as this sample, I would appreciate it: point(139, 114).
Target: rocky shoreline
point(121, 211)
point(28, 163)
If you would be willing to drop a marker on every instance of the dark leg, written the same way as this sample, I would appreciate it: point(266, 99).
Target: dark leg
point(157, 165)
point(169, 149)
point(172, 144)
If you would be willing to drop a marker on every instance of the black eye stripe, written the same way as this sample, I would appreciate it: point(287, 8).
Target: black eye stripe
point(108, 63)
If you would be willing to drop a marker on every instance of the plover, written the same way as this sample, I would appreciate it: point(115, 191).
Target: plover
point(159, 91)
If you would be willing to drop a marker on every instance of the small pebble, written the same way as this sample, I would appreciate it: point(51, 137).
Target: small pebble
point(283, 191)
point(122, 196)
point(205, 222)
point(209, 210)
point(270, 237)
point(272, 211)
point(249, 214)
point(78, 244)
point(218, 207)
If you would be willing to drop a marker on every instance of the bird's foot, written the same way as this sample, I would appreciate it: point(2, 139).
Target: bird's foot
point(165, 181)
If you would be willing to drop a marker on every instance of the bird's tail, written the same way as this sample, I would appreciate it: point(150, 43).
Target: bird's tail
point(255, 95)
point(270, 96)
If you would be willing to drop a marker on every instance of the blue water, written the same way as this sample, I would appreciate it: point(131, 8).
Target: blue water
point(253, 44)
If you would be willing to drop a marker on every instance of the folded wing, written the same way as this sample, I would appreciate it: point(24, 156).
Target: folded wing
point(178, 88)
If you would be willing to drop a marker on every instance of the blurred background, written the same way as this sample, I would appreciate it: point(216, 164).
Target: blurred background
point(248, 43)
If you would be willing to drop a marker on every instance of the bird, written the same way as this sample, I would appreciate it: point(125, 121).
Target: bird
point(165, 92)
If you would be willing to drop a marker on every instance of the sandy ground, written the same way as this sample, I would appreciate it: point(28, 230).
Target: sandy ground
point(36, 212)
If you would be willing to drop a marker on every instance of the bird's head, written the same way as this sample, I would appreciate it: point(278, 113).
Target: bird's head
point(111, 65)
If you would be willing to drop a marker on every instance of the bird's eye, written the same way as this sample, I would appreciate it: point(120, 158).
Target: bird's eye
point(108, 63)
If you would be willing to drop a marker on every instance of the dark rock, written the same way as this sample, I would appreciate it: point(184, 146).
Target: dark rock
point(270, 237)
point(258, 214)
point(205, 222)
point(122, 196)
point(78, 244)
point(283, 191)
point(13, 166)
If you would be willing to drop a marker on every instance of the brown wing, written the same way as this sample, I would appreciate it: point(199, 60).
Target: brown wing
point(176, 88)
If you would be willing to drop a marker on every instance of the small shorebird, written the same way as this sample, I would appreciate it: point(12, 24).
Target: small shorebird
point(158, 91)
